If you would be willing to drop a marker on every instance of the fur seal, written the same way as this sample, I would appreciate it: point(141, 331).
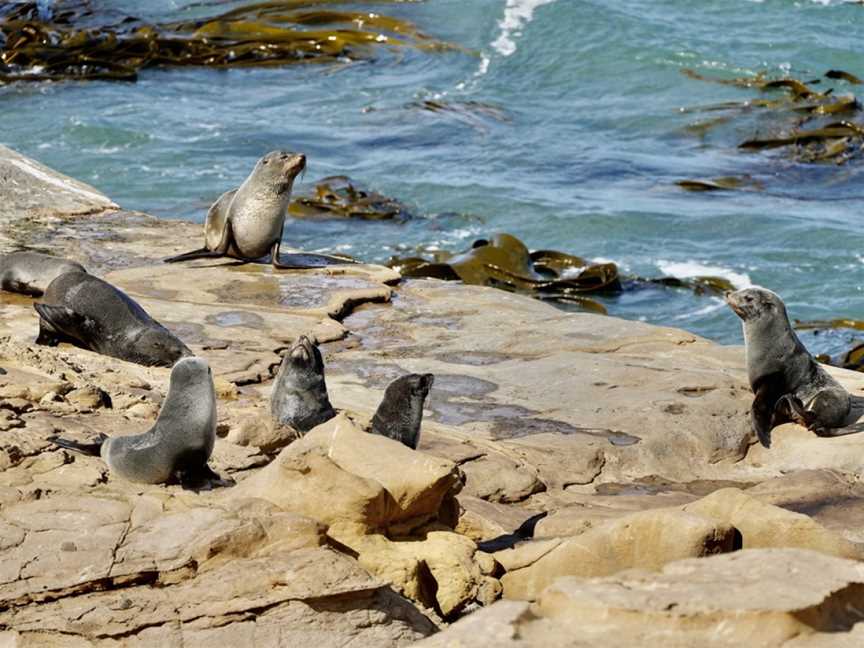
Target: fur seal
point(30, 273)
point(788, 383)
point(401, 411)
point(299, 396)
point(91, 313)
point(179, 443)
point(246, 223)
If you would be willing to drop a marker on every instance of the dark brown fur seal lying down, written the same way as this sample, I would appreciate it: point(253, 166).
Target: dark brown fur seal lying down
point(91, 313)
point(30, 273)
point(178, 445)
point(789, 385)
point(246, 223)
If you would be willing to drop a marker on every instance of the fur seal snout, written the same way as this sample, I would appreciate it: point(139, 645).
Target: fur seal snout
point(788, 383)
point(299, 396)
point(180, 442)
point(401, 410)
point(31, 273)
point(246, 223)
point(91, 313)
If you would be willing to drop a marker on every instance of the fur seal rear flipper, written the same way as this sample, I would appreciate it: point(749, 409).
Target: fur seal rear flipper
point(247, 223)
point(787, 382)
point(401, 410)
point(178, 445)
point(92, 449)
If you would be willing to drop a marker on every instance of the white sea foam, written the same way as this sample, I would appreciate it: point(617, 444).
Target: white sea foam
point(715, 305)
point(517, 14)
point(684, 269)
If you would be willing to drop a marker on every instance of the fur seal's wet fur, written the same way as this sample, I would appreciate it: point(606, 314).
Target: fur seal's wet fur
point(246, 223)
point(401, 411)
point(91, 313)
point(789, 385)
point(30, 273)
point(299, 396)
point(178, 445)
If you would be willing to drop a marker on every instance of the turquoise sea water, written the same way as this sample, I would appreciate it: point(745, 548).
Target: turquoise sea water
point(588, 135)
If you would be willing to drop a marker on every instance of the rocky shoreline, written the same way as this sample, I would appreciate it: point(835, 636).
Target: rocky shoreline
point(586, 469)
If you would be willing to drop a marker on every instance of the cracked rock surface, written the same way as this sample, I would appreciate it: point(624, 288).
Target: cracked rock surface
point(554, 445)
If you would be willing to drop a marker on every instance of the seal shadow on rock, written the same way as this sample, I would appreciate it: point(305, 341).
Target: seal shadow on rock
point(299, 397)
point(788, 384)
point(178, 446)
point(247, 223)
point(88, 312)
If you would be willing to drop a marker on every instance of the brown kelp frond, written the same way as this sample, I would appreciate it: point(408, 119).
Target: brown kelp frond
point(504, 262)
point(338, 197)
point(71, 43)
point(723, 183)
point(803, 121)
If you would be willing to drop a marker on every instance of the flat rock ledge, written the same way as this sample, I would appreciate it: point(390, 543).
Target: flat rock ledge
point(581, 480)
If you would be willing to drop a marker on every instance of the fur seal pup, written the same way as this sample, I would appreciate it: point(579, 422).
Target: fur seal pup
point(299, 396)
point(246, 223)
point(788, 383)
point(180, 442)
point(401, 411)
point(30, 273)
point(91, 313)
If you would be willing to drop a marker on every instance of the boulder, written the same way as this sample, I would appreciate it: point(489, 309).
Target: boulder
point(646, 540)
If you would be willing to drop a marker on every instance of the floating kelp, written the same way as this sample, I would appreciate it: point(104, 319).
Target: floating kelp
point(504, 262)
point(477, 114)
point(839, 323)
point(801, 125)
point(38, 44)
point(724, 183)
point(339, 197)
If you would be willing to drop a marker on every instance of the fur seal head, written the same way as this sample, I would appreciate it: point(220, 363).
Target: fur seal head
point(276, 171)
point(299, 396)
point(401, 410)
point(756, 306)
point(158, 346)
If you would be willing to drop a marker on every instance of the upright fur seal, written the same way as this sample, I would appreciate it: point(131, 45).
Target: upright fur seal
point(180, 442)
point(788, 383)
point(91, 313)
point(30, 273)
point(401, 411)
point(299, 396)
point(247, 223)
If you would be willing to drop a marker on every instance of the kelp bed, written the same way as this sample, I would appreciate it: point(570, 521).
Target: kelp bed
point(807, 124)
point(73, 41)
point(339, 197)
point(504, 262)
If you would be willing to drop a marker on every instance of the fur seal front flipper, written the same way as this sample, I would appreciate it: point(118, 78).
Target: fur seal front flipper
point(787, 382)
point(299, 396)
point(93, 449)
point(401, 410)
point(94, 315)
point(247, 223)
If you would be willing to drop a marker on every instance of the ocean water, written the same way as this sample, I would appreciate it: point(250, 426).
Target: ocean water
point(588, 124)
